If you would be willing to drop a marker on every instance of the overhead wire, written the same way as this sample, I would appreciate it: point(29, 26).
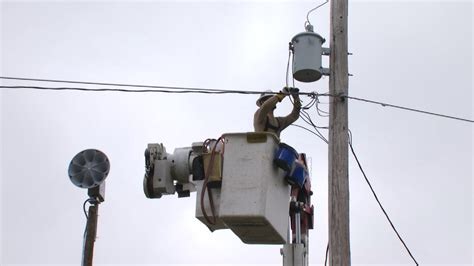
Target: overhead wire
point(310, 104)
point(309, 12)
point(175, 89)
point(307, 119)
point(409, 109)
point(178, 90)
point(315, 102)
point(106, 84)
point(371, 188)
point(378, 201)
point(293, 82)
point(320, 112)
point(147, 88)
point(288, 66)
point(309, 130)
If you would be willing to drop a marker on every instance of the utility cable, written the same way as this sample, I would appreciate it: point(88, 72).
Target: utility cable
point(105, 84)
point(309, 130)
point(84, 208)
point(181, 91)
point(310, 104)
point(321, 112)
point(148, 88)
point(288, 66)
point(309, 12)
point(380, 204)
point(310, 123)
point(373, 192)
point(315, 102)
point(173, 89)
point(90, 201)
point(293, 81)
point(409, 109)
point(307, 119)
point(207, 174)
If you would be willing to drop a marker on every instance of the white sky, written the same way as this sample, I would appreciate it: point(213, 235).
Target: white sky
point(416, 54)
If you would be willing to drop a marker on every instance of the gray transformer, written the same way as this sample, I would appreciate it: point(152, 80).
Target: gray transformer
point(307, 53)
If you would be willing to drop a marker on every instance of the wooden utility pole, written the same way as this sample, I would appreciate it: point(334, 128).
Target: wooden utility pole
point(339, 242)
point(90, 235)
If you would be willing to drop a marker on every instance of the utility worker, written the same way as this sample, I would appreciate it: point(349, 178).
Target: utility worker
point(265, 121)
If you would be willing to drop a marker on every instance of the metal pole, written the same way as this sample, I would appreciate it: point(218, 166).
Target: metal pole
point(298, 225)
point(90, 235)
point(338, 185)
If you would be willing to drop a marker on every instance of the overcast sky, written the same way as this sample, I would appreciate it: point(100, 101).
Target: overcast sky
point(415, 54)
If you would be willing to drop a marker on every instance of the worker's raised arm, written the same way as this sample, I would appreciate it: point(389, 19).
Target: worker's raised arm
point(293, 116)
point(266, 107)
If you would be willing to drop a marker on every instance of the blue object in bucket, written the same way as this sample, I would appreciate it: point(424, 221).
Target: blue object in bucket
point(297, 175)
point(285, 157)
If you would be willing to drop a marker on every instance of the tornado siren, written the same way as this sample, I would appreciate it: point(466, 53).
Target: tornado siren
point(307, 52)
point(89, 169)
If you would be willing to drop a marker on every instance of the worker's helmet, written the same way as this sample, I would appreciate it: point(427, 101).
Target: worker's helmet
point(264, 96)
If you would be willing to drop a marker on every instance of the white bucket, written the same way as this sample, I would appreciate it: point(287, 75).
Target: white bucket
point(254, 199)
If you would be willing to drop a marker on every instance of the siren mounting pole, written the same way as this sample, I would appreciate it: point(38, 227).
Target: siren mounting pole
point(90, 234)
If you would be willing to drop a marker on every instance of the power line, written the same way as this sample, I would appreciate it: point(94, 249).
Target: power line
point(148, 88)
point(373, 192)
point(175, 91)
point(309, 130)
point(309, 12)
point(307, 119)
point(170, 89)
point(409, 109)
point(106, 84)
point(380, 204)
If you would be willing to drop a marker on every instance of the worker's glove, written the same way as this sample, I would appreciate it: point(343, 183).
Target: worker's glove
point(294, 91)
point(281, 95)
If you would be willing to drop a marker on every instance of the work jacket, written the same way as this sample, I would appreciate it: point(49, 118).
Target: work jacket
point(263, 121)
